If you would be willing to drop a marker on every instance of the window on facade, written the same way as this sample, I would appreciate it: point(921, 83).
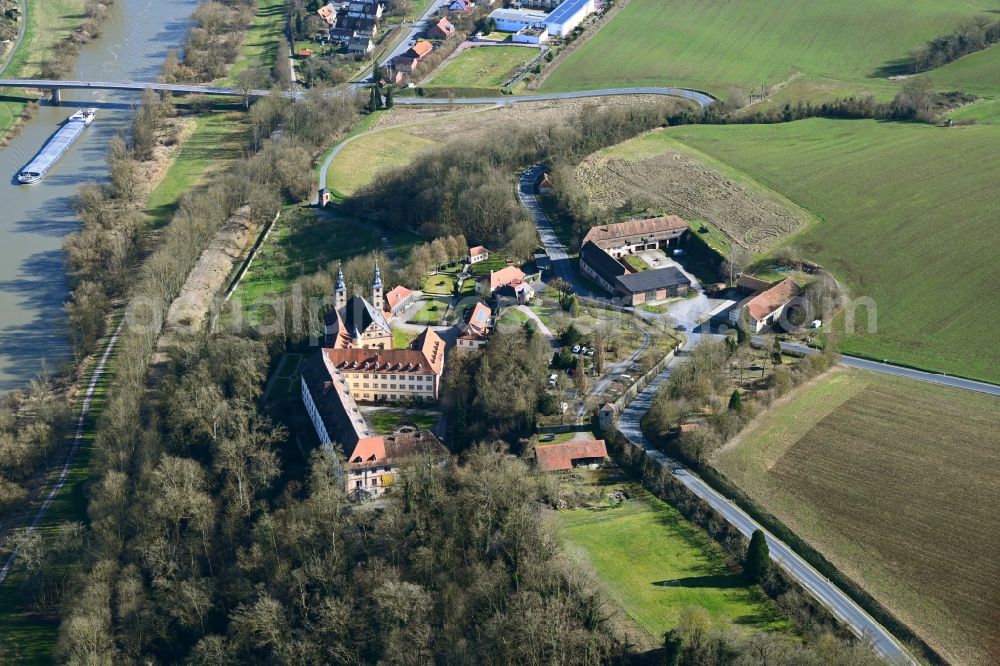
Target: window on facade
point(392, 376)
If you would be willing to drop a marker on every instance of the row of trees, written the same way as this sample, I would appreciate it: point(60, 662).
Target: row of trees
point(431, 256)
point(971, 36)
point(466, 187)
point(915, 101)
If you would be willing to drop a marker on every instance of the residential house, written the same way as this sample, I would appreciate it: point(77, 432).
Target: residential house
point(475, 329)
point(414, 56)
point(443, 29)
point(360, 44)
point(567, 455)
point(397, 300)
point(341, 35)
point(363, 25)
point(766, 307)
point(496, 279)
point(477, 254)
point(463, 6)
point(329, 12)
point(365, 9)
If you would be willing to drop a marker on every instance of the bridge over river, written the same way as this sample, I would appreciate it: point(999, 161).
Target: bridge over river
point(700, 98)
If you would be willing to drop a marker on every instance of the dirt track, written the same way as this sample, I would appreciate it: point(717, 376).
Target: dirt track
point(677, 183)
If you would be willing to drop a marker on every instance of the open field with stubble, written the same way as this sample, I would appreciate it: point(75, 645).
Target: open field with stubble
point(817, 48)
point(906, 217)
point(896, 482)
point(654, 564)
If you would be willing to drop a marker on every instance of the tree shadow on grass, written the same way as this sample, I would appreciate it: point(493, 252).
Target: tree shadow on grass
point(718, 581)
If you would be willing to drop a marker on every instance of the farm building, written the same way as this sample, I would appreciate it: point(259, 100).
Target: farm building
point(559, 457)
point(513, 20)
point(600, 266)
point(564, 19)
point(654, 233)
point(765, 308)
point(654, 285)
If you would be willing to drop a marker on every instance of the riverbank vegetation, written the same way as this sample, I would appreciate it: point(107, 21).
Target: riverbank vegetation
point(213, 43)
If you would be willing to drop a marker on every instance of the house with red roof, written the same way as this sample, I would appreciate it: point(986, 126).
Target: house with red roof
point(764, 308)
point(477, 254)
point(413, 56)
point(475, 329)
point(567, 455)
point(443, 29)
point(396, 300)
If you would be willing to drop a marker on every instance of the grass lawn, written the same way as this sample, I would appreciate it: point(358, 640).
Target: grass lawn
point(217, 140)
point(975, 73)
point(636, 263)
point(907, 217)
point(431, 313)
point(25, 637)
point(824, 48)
point(301, 243)
point(655, 564)
point(895, 482)
point(512, 316)
point(439, 285)
point(402, 338)
point(362, 159)
point(260, 46)
point(481, 67)
point(494, 263)
point(386, 420)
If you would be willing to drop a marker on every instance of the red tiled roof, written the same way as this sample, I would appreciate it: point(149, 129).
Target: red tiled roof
point(750, 283)
point(431, 346)
point(368, 450)
point(420, 49)
point(479, 320)
point(555, 457)
point(396, 296)
point(766, 302)
point(444, 25)
point(505, 276)
point(478, 250)
point(653, 225)
point(427, 356)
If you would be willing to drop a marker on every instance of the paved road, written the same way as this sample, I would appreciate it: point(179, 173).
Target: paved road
point(826, 592)
point(896, 370)
point(695, 96)
point(23, 21)
point(417, 28)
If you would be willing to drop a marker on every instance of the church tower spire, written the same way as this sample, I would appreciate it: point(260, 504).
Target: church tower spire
point(340, 295)
point(377, 288)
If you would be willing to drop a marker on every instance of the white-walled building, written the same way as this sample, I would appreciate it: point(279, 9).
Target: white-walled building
point(568, 15)
point(512, 20)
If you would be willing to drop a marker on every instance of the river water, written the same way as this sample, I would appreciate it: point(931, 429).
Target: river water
point(34, 219)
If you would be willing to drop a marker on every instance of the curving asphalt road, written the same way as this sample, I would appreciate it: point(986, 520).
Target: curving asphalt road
point(852, 615)
point(699, 98)
point(630, 425)
point(23, 19)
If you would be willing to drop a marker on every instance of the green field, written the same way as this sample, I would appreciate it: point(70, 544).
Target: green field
point(908, 218)
point(654, 564)
point(216, 141)
point(481, 67)
point(359, 161)
point(439, 284)
point(975, 73)
point(431, 313)
point(895, 481)
point(385, 421)
point(820, 47)
point(260, 46)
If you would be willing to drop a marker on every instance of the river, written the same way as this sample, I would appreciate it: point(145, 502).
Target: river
point(34, 219)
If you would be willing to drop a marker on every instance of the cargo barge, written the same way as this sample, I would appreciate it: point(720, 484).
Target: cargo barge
point(57, 145)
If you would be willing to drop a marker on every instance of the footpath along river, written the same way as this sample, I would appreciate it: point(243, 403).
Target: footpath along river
point(34, 219)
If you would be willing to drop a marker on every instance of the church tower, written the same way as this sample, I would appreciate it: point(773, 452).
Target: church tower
point(340, 295)
point(377, 300)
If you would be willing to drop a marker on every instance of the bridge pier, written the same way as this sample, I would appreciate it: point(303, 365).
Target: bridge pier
point(56, 97)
